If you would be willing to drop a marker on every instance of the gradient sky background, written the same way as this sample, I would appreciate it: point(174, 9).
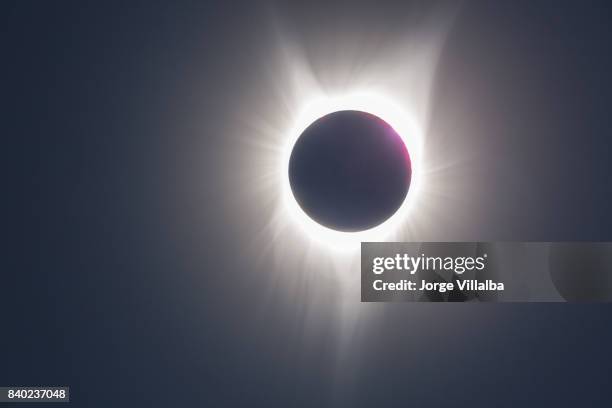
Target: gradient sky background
point(127, 278)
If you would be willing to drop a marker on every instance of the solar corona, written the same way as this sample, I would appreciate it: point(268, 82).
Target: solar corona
point(351, 168)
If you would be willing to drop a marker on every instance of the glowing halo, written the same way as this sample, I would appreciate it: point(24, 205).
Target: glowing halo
point(400, 120)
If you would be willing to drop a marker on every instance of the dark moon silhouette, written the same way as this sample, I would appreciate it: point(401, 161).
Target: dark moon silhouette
point(350, 171)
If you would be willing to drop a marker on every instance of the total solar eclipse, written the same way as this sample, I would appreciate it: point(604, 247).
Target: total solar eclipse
point(349, 171)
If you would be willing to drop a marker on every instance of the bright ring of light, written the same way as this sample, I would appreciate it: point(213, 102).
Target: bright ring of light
point(402, 122)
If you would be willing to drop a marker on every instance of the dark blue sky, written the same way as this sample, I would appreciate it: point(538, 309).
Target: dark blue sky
point(102, 291)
